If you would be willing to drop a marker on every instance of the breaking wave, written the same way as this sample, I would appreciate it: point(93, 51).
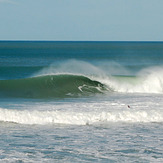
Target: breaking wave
point(79, 118)
point(78, 78)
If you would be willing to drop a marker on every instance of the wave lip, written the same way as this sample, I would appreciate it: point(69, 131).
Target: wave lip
point(51, 86)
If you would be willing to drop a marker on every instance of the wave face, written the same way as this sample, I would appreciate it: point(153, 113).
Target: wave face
point(50, 86)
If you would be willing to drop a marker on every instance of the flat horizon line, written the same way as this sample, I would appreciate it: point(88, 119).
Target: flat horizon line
point(77, 41)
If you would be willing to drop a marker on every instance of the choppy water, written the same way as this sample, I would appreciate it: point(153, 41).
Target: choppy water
point(81, 101)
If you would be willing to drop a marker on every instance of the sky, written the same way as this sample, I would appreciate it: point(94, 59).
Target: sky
point(81, 20)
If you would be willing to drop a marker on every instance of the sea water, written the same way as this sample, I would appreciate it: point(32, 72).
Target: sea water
point(81, 101)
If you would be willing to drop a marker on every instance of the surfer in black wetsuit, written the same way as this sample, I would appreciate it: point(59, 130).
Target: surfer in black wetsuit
point(128, 106)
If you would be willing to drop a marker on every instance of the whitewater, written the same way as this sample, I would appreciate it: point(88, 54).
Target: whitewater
point(81, 101)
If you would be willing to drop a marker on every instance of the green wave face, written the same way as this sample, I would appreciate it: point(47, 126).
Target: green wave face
point(51, 86)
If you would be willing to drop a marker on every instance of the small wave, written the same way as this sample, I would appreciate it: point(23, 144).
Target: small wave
point(50, 86)
point(79, 118)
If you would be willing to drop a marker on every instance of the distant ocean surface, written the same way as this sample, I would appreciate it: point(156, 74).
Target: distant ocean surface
point(81, 101)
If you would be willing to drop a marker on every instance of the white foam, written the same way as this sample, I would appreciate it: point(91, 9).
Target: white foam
point(79, 118)
point(148, 80)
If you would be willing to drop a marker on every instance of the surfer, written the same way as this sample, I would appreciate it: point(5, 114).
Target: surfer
point(128, 106)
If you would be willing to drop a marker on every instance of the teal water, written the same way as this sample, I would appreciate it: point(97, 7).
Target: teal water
point(81, 101)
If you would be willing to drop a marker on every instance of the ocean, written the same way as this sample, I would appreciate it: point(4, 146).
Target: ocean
point(81, 101)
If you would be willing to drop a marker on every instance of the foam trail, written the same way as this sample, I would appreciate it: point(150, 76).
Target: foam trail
point(79, 118)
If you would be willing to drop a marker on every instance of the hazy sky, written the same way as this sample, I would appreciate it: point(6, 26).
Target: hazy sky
point(92, 20)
